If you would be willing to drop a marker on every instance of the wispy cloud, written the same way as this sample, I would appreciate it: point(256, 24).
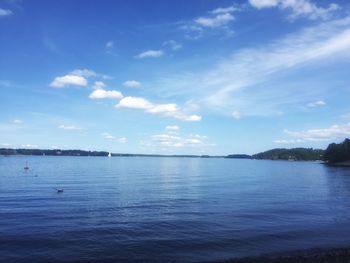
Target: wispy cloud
point(29, 146)
point(298, 8)
point(150, 54)
point(331, 133)
point(172, 128)
point(5, 12)
point(238, 81)
point(217, 19)
point(169, 140)
point(69, 127)
point(225, 10)
point(17, 121)
point(172, 44)
point(288, 141)
point(315, 104)
point(109, 44)
point(132, 84)
point(236, 114)
point(98, 85)
point(109, 136)
point(166, 110)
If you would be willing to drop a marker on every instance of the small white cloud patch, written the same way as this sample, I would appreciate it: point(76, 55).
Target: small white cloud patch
point(166, 110)
point(98, 85)
point(216, 21)
point(69, 80)
point(236, 114)
point(172, 128)
point(314, 104)
point(150, 54)
point(132, 84)
point(331, 133)
point(173, 45)
point(110, 44)
point(109, 136)
point(69, 127)
point(77, 77)
point(298, 8)
point(105, 94)
point(5, 12)
point(17, 121)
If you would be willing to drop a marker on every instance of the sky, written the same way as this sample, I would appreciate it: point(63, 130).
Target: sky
point(174, 77)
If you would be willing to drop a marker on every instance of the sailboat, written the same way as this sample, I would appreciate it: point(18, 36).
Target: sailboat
point(109, 155)
point(26, 167)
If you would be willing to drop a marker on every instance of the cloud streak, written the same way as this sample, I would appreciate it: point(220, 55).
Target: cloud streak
point(331, 133)
point(166, 110)
point(150, 54)
point(298, 8)
point(5, 12)
point(239, 81)
point(69, 127)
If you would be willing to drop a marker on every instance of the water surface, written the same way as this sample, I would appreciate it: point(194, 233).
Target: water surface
point(140, 209)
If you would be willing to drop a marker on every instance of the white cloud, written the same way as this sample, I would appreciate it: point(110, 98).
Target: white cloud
point(173, 45)
point(314, 104)
point(87, 73)
point(166, 110)
point(333, 132)
point(105, 94)
point(69, 80)
point(150, 54)
point(29, 146)
point(298, 8)
point(5, 144)
point(252, 67)
point(169, 108)
point(264, 3)
point(110, 44)
point(69, 127)
point(172, 128)
point(287, 141)
point(216, 21)
point(223, 10)
point(98, 85)
point(191, 118)
point(77, 77)
point(134, 103)
point(17, 121)
point(109, 136)
point(132, 83)
point(5, 12)
point(123, 140)
point(257, 80)
point(236, 114)
point(170, 140)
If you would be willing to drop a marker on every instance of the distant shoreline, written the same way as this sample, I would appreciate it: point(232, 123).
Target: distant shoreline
point(338, 255)
point(294, 154)
point(344, 164)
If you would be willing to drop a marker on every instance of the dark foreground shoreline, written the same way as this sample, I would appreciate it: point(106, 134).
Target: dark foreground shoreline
point(338, 255)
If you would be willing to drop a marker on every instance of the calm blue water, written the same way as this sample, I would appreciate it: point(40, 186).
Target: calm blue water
point(168, 209)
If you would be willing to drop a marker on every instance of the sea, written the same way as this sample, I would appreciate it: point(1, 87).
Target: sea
point(164, 209)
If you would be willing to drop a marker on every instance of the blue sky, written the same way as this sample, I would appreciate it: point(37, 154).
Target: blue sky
point(174, 77)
